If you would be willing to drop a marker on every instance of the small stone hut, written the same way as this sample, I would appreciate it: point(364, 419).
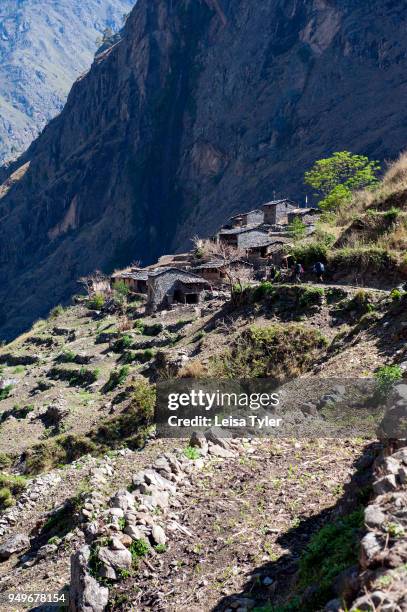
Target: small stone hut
point(253, 217)
point(170, 286)
point(307, 215)
point(135, 280)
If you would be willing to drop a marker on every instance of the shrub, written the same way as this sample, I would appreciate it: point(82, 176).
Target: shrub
point(138, 549)
point(124, 342)
point(265, 289)
point(16, 484)
point(143, 398)
point(121, 289)
point(5, 393)
point(9, 487)
point(309, 253)
point(160, 548)
point(96, 302)
point(56, 311)
point(154, 329)
point(311, 297)
point(76, 378)
point(116, 378)
point(386, 377)
point(396, 295)
point(6, 498)
point(331, 550)
point(374, 259)
point(297, 229)
point(67, 357)
point(191, 453)
point(139, 326)
point(279, 352)
point(5, 460)
point(361, 302)
point(193, 369)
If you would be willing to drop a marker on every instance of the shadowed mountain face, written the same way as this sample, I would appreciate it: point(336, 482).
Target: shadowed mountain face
point(203, 109)
point(44, 46)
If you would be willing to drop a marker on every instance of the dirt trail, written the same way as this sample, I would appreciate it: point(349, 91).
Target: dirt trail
point(249, 521)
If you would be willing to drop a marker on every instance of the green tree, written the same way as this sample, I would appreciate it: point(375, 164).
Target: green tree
point(335, 178)
point(297, 229)
point(121, 291)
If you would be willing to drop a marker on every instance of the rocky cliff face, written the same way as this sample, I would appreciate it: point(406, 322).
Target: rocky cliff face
point(205, 107)
point(44, 46)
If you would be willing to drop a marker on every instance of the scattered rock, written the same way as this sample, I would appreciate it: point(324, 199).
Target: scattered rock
point(14, 544)
point(85, 593)
point(158, 535)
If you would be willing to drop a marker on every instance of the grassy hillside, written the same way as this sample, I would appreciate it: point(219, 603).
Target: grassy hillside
point(365, 240)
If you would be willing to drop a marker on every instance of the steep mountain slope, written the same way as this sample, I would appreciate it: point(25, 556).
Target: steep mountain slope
point(204, 108)
point(44, 46)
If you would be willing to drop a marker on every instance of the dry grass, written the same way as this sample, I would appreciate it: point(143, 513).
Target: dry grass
point(371, 207)
point(194, 369)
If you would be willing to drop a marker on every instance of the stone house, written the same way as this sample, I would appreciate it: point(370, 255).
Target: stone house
point(256, 244)
point(307, 215)
point(170, 286)
point(98, 283)
point(238, 236)
point(216, 271)
point(135, 279)
point(253, 217)
point(276, 212)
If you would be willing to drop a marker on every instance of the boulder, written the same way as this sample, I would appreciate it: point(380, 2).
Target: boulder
point(374, 517)
point(385, 485)
point(114, 559)
point(15, 544)
point(198, 440)
point(158, 535)
point(221, 451)
point(370, 547)
point(85, 593)
point(218, 436)
point(134, 532)
point(163, 484)
point(123, 500)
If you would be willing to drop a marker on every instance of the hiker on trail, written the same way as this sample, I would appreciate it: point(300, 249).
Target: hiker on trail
point(319, 271)
point(273, 274)
point(298, 272)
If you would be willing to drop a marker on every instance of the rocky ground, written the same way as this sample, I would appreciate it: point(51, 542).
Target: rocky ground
point(226, 524)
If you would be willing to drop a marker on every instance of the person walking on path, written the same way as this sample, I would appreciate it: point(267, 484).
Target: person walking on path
point(319, 271)
point(298, 272)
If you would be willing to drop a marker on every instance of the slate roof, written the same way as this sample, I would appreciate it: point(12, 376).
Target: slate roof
point(135, 275)
point(184, 276)
point(240, 230)
point(276, 202)
point(255, 240)
point(243, 214)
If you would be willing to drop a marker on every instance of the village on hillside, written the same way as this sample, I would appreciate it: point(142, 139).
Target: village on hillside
point(250, 246)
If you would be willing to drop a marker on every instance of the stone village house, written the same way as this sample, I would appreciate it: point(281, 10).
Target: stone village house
point(276, 212)
point(253, 217)
point(135, 279)
point(169, 286)
point(216, 271)
point(307, 215)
